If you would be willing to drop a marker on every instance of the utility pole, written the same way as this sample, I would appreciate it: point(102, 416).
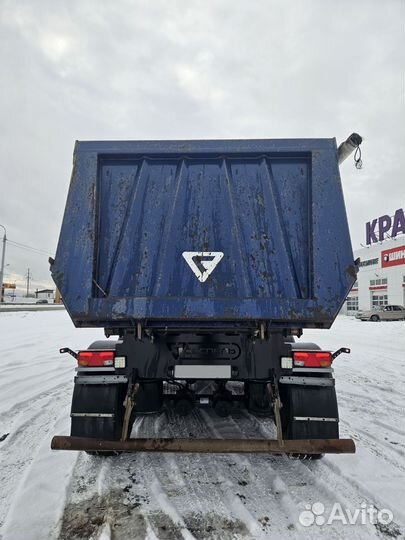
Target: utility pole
point(28, 282)
point(3, 255)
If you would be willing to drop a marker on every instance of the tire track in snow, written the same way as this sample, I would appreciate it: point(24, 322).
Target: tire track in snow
point(26, 386)
point(388, 407)
point(306, 485)
point(168, 507)
point(21, 406)
point(27, 432)
point(269, 494)
point(196, 479)
point(389, 427)
point(41, 364)
point(289, 481)
point(378, 446)
point(276, 487)
point(351, 491)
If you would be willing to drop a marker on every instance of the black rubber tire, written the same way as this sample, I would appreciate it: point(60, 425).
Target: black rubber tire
point(374, 318)
point(308, 401)
point(149, 398)
point(222, 407)
point(102, 454)
point(183, 406)
point(257, 399)
point(102, 399)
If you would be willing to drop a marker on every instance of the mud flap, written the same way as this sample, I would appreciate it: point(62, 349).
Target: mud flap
point(309, 412)
point(98, 410)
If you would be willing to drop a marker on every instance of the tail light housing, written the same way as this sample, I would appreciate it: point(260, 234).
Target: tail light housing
point(95, 358)
point(314, 359)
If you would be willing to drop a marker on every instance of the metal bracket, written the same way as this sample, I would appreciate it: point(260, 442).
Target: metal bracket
point(129, 404)
point(262, 332)
point(69, 351)
point(276, 401)
point(340, 351)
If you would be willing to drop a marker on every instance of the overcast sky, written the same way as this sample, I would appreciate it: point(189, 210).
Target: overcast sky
point(192, 69)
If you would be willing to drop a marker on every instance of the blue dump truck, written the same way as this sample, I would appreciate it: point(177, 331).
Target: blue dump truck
point(206, 259)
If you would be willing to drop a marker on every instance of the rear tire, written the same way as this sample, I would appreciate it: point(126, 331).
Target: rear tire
point(149, 398)
point(308, 401)
point(257, 399)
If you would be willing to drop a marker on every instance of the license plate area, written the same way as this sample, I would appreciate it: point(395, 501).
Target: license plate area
point(200, 371)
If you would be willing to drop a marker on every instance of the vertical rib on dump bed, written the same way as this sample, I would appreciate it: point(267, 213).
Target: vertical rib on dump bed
point(273, 208)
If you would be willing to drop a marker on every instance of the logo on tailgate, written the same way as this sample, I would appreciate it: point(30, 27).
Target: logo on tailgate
point(202, 263)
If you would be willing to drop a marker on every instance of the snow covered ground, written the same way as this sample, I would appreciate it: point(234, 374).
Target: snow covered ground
point(29, 307)
point(45, 494)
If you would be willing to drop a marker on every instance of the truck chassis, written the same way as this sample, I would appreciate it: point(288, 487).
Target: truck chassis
point(145, 372)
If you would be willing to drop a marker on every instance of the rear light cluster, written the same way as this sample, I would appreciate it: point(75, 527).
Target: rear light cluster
point(312, 359)
point(309, 359)
point(100, 359)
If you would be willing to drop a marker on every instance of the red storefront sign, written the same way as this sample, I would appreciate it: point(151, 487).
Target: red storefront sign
point(393, 256)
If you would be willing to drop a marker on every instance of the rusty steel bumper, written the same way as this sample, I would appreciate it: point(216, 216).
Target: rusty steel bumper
point(214, 446)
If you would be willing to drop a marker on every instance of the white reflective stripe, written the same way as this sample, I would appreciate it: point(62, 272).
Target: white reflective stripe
point(315, 419)
point(199, 371)
point(307, 381)
point(100, 379)
point(93, 414)
point(312, 370)
point(95, 369)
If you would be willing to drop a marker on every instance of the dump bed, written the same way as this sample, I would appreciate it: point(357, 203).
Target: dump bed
point(196, 233)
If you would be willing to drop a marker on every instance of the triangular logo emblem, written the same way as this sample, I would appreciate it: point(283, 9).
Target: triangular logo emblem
point(202, 263)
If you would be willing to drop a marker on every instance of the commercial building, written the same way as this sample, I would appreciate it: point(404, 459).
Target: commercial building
point(45, 294)
point(381, 277)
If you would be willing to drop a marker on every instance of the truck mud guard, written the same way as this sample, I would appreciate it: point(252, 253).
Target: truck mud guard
point(209, 446)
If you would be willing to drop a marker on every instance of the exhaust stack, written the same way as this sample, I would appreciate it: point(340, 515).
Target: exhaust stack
point(349, 146)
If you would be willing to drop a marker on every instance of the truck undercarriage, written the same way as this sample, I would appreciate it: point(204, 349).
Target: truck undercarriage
point(148, 373)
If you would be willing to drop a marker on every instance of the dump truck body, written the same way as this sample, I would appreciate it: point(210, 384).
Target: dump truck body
point(205, 258)
point(143, 218)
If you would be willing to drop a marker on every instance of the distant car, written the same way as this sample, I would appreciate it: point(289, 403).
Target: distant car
point(41, 301)
point(386, 313)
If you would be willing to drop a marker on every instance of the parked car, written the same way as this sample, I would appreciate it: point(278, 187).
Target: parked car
point(43, 301)
point(386, 313)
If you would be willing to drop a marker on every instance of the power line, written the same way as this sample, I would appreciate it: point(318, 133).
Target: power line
point(30, 248)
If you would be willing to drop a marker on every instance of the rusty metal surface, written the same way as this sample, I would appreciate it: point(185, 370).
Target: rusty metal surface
point(210, 446)
point(273, 208)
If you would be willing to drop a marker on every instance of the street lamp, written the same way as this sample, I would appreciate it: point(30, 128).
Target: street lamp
point(3, 255)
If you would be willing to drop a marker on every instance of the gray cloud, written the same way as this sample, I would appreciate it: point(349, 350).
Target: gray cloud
point(180, 69)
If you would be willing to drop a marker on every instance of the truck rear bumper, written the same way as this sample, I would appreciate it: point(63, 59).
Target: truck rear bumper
point(212, 446)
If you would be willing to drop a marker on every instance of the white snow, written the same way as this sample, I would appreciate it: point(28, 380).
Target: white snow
point(46, 494)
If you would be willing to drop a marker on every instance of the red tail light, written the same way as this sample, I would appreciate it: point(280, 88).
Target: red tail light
point(312, 359)
point(95, 358)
